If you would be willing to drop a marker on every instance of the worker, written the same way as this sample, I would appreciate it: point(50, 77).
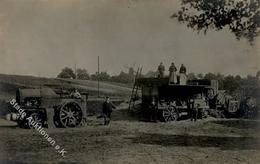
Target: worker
point(172, 74)
point(161, 70)
point(75, 94)
point(153, 110)
point(183, 69)
point(194, 112)
point(107, 110)
point(183, 76)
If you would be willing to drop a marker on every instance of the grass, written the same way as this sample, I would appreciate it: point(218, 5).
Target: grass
point(10, 83)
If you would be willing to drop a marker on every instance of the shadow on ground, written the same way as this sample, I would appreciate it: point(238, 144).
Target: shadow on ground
point(239, 124)
point(224, 143)
point(11, 162)
point(124, 115)
point(9, 126)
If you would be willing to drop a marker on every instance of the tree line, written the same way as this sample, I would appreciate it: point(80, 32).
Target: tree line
point(230, 83)
point(82, 74)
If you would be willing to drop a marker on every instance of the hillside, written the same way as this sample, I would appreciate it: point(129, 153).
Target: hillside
point(10, 83)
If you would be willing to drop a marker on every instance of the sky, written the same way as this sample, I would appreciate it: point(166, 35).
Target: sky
point(40, 37)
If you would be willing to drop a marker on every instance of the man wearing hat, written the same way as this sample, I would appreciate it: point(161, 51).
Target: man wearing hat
point(183, 76)
point(161, 70)
point(172, 75)
point(107, 110)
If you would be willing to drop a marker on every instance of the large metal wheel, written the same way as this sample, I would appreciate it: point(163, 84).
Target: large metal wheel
point(70, 115)
point(170, 113)
point(36, 119)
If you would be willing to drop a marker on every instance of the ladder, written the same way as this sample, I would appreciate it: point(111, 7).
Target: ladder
point(136, 87)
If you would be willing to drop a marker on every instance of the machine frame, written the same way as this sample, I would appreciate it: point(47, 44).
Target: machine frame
point(51, 109)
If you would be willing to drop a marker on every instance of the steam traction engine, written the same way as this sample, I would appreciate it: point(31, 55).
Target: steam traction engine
point(50, 109)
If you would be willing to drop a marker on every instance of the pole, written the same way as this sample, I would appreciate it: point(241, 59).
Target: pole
point(98, 76)
point(40, 85)
point(75, 71)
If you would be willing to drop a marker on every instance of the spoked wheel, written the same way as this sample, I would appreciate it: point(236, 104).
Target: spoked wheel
point(170, 113)
point(29, 123)
point(70, 115)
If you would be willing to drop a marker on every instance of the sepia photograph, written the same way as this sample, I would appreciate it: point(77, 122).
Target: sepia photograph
point(130, 81)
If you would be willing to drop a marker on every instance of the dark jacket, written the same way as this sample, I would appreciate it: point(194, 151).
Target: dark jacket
point(183, 69)
point(161, 68)
point(108, 107)
point(172, 69)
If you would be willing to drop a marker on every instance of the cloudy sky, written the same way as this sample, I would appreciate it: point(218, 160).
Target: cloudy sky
point(40, 37)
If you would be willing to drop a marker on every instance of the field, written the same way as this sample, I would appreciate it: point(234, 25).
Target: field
point(126, 139)
point(10, 83)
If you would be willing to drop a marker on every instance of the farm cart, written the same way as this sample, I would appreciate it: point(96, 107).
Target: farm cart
point(50, 109)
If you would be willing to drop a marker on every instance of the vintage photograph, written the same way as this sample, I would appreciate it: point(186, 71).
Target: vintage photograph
point(130, 81)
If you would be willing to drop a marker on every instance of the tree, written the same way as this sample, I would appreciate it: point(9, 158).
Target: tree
point(230, 84)
point(191, 76)
point(251, 80)
point(240, 16)
point(200, 76)
point(66, 73)
point(123, 78)
point(258, 75)
point(238, 78)
point(82, 74)
point(210, 76)
point(102, 76)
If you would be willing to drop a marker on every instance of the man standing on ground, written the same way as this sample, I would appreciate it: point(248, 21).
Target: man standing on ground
point(194, 112)
point(107, 110)
point(153, 110)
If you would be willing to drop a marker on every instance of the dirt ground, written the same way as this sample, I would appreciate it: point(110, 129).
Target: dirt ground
point(128, 140)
